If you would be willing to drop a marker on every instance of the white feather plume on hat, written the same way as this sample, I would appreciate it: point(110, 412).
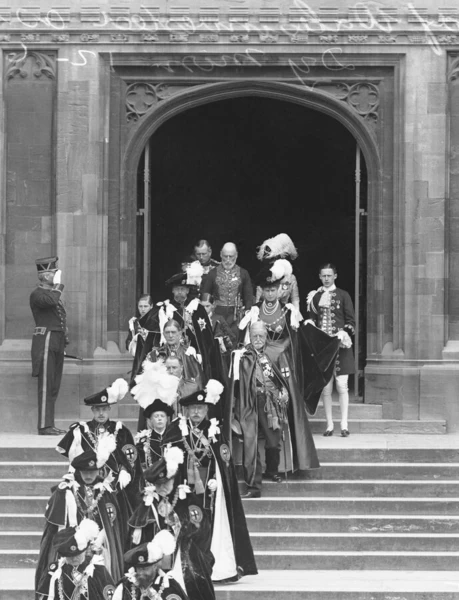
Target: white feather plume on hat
point(155, 382)
point(163, 544)
point(280, 269)
point(174, 457)
point(117, 391)
point(105, 446)
point(214, 389)
point(194, 273)
point(280, 246)
point(86, 532)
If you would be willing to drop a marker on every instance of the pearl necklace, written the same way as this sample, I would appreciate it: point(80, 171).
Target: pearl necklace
point(270, 311)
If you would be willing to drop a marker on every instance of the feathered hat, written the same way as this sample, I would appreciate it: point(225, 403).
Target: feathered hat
point(210, 395)
point(269, 276)
point(163, 544)
point(166, 467)
point(155, 384)
point(280, 246)
point(74, 540)
point(110, 395)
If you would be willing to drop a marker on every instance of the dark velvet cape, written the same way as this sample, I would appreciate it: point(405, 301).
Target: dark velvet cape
point(319, 352)
point(100, 585)
point(125, 455)
point(174, 588)
point(221, 455)
point(196, 559)
point(109, 519)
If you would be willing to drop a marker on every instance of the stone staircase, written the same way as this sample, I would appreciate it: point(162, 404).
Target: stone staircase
point(363, 419)
point(378, 521)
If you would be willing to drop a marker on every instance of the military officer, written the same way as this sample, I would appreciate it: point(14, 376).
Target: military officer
point(49, 341)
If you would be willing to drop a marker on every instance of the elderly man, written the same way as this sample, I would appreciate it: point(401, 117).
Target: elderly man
point(49, 341)
point(231, 287)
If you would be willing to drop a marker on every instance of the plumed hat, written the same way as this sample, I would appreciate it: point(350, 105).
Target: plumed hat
point(279, 246)
point(163, 544)
point(110, 395)
point(155, 385)
point(74, 540)
point(210, 395)
point(273, 275)
point(86, 461)
point(44, 265)
point(177, 279)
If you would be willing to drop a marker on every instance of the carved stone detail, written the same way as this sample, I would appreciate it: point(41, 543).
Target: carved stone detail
point(26, 63)
point(362, 97)
point(142, 96)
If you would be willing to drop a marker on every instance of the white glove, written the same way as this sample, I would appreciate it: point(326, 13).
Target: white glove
point(132, 320)
point(57, 277)
point(123, 479)
point(212, 485)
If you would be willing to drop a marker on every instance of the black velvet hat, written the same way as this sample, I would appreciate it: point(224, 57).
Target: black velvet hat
point(87, 461)
point(158, 405)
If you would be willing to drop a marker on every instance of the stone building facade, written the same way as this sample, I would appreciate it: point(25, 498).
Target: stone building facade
point(85, 89)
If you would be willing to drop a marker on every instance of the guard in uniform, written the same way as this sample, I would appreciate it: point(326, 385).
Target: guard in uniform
point(49, 341)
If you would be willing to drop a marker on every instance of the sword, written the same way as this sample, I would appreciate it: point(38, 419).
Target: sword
point(72, 356)
point(285, 454)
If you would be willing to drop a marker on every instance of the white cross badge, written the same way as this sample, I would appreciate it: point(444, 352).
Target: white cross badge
point(285, 372)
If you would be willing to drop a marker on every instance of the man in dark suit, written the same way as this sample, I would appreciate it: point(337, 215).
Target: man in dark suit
point(49, 341)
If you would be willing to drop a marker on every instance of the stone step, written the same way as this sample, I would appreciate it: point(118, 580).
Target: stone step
point(356, 426)
point(361, 542)
point(301, 559)
point(328, 471)
point(313, 487)
point(348, 542)
point(339, 505)
point(338, 450)
point(332, 523)
point(336, 560)
point(17, 584)
point(130, 410)
point(22, 522)
point(292, 505)
point(352, 488)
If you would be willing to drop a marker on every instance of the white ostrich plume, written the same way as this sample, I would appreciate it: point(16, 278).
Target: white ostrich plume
point(163, 544)
point(117, 391)
point(86, 531)
point(280, 246)
point(155, 382)
point(174, 457)
point(280, 269)
point(105, 446)
point(214, 389)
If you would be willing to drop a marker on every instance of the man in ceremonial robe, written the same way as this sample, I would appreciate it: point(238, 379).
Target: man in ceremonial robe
point(145, 578)
point(78, 574)
point(84, 494)
point(122, 459)
point(209, 471)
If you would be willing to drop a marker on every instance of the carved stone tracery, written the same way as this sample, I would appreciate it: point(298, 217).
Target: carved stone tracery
point(362, 97)
point(29, 62)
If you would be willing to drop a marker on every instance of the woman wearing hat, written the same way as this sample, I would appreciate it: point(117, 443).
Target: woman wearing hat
point(79, 573)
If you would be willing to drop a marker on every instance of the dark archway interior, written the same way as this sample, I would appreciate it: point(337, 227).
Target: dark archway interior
point(244, 170)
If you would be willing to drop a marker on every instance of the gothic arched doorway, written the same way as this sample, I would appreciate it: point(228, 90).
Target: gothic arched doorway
point(244, 169)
